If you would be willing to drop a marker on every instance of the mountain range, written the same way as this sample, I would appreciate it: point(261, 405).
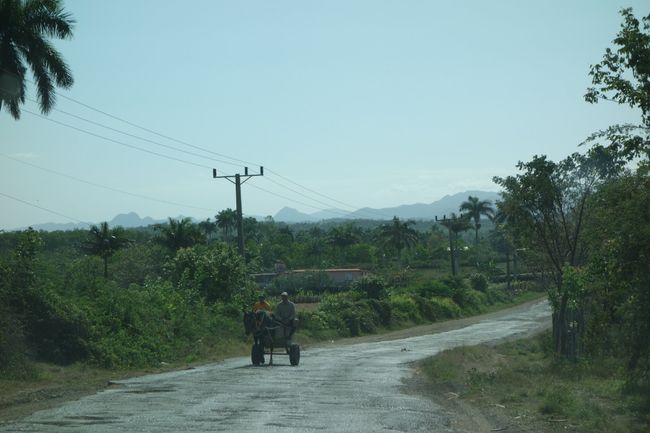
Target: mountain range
point(417, 211)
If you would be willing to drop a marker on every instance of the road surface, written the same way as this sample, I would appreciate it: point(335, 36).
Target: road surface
point(347, 388)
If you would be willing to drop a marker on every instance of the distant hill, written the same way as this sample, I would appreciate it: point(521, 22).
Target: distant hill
point(126, 220)
point(417, 211)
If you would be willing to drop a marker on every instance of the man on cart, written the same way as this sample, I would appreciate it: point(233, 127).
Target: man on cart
point(285, 313)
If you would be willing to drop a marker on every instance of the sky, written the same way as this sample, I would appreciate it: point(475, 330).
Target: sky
point(345, 103)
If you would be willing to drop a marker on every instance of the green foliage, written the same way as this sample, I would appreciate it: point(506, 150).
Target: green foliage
point(444, 308)
point(137, 263)
point(373, 287)
point(476, 208)
point(618, 275)
point(177, 234)
point(214, 271)
point(431, 288)
point(104, 242)
point(26, 27)
point(13, 350)
point(405, 308)
point(623, 76)
point(478, 282)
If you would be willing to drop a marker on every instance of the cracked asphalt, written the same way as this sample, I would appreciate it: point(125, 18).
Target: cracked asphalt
point(345, 388)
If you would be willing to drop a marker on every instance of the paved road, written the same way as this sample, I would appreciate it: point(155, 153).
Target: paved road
point(351, 388)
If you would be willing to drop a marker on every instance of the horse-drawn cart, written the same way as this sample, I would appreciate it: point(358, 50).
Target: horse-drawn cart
point(269, 335)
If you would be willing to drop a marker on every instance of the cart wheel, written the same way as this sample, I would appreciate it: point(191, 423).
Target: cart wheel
point(294, 354)
point(257, 354)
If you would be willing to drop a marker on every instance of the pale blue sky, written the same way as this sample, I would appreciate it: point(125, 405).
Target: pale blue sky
point(371, 103)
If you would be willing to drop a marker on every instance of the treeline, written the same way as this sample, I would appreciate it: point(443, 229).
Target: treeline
point(118, 297)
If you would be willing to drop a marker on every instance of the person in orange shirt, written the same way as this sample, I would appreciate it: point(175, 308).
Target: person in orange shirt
point(261, 304)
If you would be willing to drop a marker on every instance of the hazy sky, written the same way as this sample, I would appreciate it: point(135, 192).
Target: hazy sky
point(363, 103)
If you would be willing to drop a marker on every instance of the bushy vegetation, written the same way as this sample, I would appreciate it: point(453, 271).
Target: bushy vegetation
point(525, 385)
point(119, 298)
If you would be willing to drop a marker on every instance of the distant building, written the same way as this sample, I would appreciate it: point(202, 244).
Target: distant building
point(340, 277)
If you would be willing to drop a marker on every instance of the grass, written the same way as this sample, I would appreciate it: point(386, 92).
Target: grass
point(522, 385)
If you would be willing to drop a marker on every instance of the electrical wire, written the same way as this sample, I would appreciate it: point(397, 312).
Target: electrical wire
point(104, 186)
point(312, 191)
point(116, 141)
point(42, 208)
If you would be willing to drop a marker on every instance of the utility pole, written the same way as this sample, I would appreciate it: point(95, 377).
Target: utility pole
point(452, 253)
point(238, 182)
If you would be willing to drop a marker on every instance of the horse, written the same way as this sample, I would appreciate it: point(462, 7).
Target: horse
point(262, 326)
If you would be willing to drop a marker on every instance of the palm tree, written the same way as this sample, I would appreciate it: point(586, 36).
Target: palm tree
point(104, 242)
point(342, 237)
point(227, 222)
point(475, 209)
point(177, 234)
point(25, 26)
point(207, 227)
point(398, 235)
point(455, 224)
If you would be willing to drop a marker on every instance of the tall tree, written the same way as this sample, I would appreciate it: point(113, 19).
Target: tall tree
point(342, 237)
point(398, 235)
point(25, 26)
point(548, 202)
point(227, 222)
point(455, 225)
point(104, 242)
point(623, 76)
point(177, 234)
point(476, 208)
point(208, 227)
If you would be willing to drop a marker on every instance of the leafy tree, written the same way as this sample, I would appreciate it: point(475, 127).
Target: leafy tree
point(548, 203)
point(623, 76)
point(215, 271)
point(343, 236)
point(104, 242)
point(398, 235)
point(25, 27)
point(177, 234)
point(476, 208)
point(618, 273)
point(227, 222)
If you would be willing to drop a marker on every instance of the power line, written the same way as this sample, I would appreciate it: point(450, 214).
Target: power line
point(104, 186)
point(42, 208)
point(116, 141)
point(138, 137)
point(211, 152)
point(168, 157)
point(368, 212)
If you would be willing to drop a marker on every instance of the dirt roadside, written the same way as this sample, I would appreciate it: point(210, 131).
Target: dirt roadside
point(22, 399)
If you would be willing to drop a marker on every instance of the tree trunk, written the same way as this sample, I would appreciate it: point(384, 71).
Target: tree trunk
point(508, 270)
point(451, 254)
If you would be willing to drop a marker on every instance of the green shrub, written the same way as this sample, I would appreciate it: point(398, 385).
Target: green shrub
point(13, 350)
point(371, 286)
point(444, 308)
point(478, 282)
point(405, 308)
point(434, 288)
point(214, 271)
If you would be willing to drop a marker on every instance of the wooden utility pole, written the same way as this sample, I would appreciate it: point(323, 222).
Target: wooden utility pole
point(238, 182)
